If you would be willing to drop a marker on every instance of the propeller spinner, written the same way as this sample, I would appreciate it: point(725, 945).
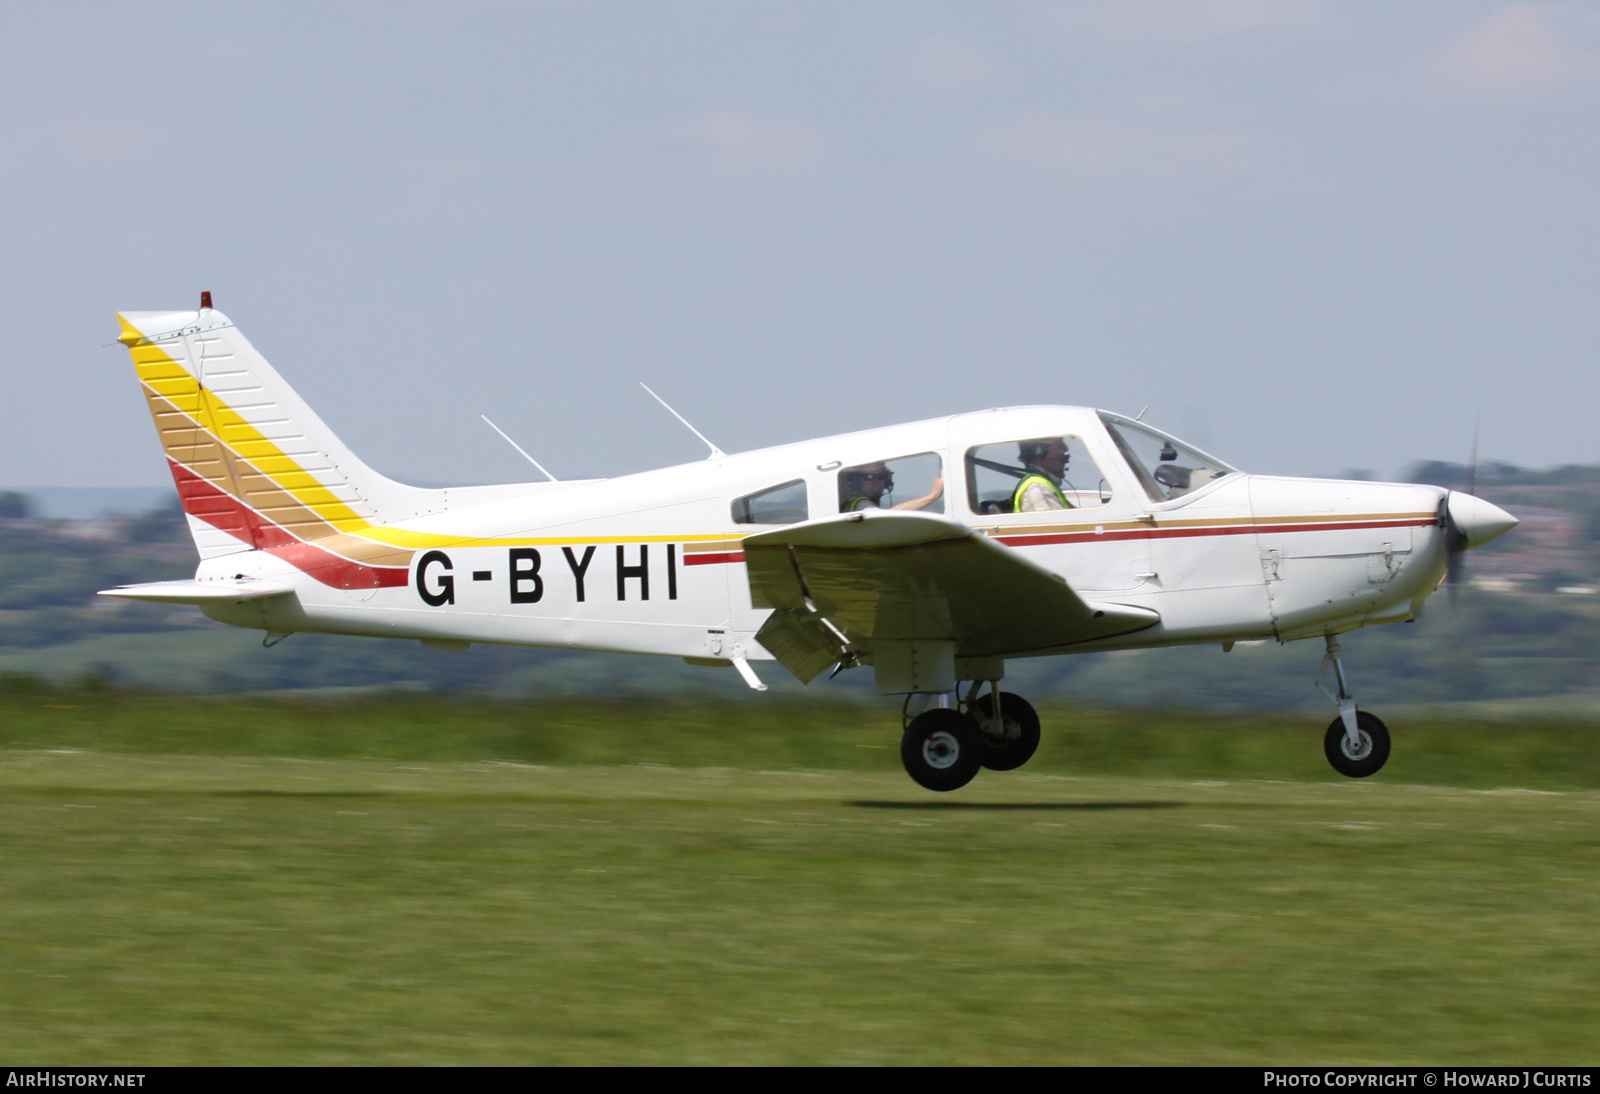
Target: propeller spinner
point(1469, 522)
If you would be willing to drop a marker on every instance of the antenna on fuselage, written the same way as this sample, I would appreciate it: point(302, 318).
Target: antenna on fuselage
point(1139, 417)
point(716, 453)
point(518, 447)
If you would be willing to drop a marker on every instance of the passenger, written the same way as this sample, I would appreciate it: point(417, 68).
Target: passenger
point(1045, 463)
point(863, 488)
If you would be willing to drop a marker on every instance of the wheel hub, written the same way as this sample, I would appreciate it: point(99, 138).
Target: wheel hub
point(1361, 750)
point(940, 749)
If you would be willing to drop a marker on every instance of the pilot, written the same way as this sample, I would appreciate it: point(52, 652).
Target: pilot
point(1045, 464)
point(863, 488)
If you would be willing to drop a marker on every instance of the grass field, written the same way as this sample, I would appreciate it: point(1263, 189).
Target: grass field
point(239, 881)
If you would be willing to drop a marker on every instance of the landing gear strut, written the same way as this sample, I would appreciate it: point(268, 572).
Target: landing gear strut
point(1009, 741)
point(1357, 743)
point(943, 747)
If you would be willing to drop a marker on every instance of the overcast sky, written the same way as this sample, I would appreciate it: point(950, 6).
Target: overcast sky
point(1311, 236)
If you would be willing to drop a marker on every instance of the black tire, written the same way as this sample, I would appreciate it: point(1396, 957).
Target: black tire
point(1014, 747)
point(1372, 755)
point(942, 749)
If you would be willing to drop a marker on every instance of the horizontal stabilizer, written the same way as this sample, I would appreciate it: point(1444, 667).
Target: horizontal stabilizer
point(201, 592)
point(893, 575)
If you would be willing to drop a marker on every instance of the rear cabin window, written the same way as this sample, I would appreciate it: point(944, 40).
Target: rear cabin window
point(908, 482)
point(1036, 474)
point(784, 504)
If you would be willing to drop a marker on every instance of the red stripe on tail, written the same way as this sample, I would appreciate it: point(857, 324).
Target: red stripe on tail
point(227, 513)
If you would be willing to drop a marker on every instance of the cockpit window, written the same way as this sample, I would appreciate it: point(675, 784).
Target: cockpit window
point(1166, 467)
point(910, 482)
point(783, 504)
point(1034, 475)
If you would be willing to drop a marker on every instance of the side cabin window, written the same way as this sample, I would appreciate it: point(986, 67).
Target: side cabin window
point(782, 504)
point(1166, 467)
point(909, 482)
point(1034, 475)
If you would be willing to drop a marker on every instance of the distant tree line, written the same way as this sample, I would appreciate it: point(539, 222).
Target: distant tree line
point(16, 506)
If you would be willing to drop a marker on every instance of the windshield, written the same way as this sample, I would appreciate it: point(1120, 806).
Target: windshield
point(1166, 467)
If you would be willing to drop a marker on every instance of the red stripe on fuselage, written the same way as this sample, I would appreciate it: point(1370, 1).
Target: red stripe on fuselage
point(1183, 533)
point(228, 514)
point(707, 558)
point(1043, 539)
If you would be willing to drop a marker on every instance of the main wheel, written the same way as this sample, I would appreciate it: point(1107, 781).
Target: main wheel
point(1010, 745)
point(942, 749)
point(1370, 754)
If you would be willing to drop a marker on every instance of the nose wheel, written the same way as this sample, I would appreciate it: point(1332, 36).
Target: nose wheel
point(1363, 756)
point(1357, 743)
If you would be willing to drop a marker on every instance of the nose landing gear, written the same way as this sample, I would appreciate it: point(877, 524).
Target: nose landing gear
point(1357, 743)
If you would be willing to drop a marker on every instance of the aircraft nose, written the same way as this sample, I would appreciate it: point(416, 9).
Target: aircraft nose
point(1477, 520)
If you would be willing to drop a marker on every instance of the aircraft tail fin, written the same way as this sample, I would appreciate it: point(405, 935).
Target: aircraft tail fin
point(254, 465)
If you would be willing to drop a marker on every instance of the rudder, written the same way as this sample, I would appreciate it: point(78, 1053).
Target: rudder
point(255, 467)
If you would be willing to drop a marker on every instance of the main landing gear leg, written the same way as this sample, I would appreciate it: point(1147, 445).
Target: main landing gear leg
point(1009, 725)
point(1357, 743)
point(948, 738)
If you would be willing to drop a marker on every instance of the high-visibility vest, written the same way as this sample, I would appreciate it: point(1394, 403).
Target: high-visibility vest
point(859, 502)
point(1027, 481)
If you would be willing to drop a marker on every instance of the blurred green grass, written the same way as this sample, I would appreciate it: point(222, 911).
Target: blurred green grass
point(1454, 749)
point(229, 910)
point(410, 880)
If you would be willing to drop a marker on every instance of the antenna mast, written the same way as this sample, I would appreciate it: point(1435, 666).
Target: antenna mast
point(518, 447)
point(716, 453)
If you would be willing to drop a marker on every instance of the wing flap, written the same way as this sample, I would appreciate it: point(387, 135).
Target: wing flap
point(802, 642)
point(899, 575)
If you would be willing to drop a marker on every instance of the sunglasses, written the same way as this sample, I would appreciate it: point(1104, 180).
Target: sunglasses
point(873, 476)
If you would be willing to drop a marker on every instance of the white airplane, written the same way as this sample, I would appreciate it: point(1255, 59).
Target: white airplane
point(1016, 532)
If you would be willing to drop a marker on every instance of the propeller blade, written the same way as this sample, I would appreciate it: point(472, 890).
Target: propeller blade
point(1472, 460)
point(1454, 575)
point(1455, 545)
point(1457, 541)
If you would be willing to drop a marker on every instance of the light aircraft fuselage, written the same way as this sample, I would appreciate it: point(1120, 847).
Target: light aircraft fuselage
point(652, 562)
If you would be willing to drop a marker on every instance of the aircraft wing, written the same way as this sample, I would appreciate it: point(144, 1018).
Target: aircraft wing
point(840, 583)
